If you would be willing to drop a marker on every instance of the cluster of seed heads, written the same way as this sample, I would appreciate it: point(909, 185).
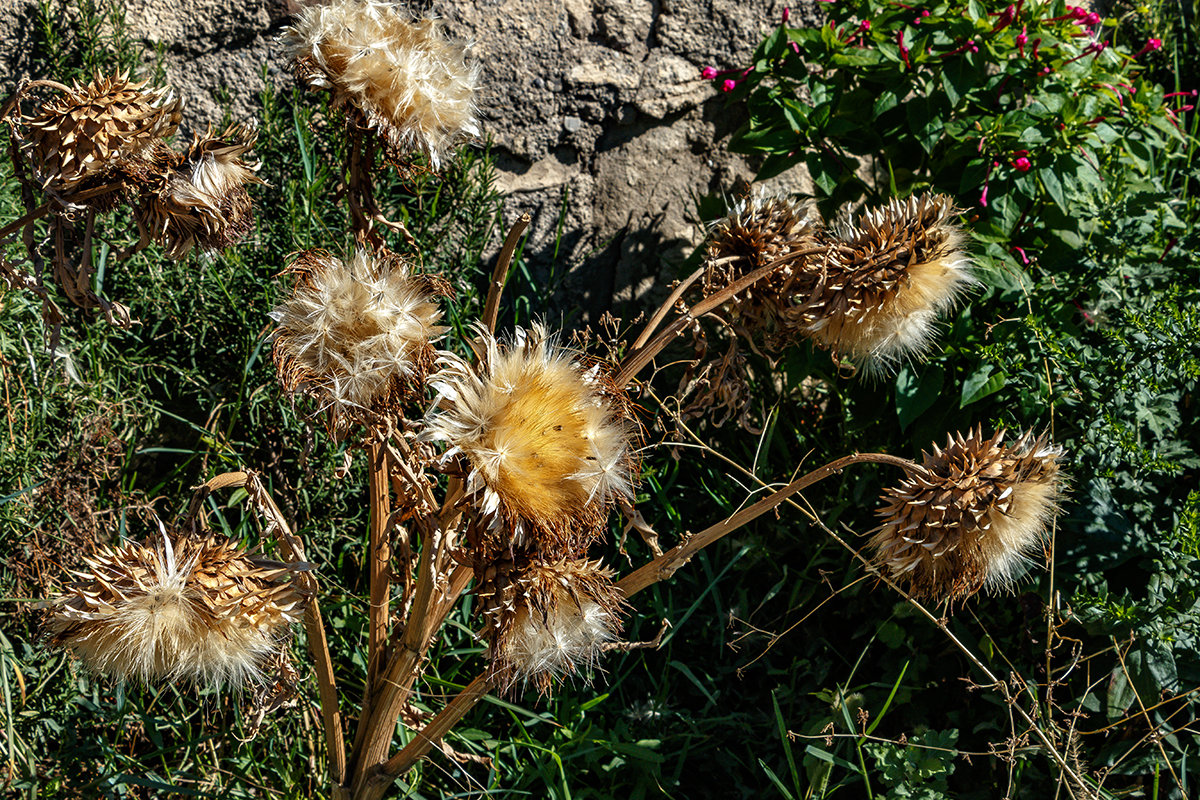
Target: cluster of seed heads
point(871, 289)
point(101, 144)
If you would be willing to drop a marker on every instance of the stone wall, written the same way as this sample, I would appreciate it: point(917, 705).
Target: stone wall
point(597, 100)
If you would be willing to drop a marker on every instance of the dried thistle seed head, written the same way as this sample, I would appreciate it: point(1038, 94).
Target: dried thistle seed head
point(548, 620)
point(973, 519)
point(357, 335)
point(876, 294)
point(202, 610)
point(762, 228)
point(86, 137)
point(410, 81)
point(546, 439)
point(200, 200)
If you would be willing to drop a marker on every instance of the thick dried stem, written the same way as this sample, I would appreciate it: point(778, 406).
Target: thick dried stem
point(379, 559)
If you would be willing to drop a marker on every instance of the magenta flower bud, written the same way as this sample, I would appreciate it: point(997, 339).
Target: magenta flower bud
point(865, 25)
point(787, 12)
point(1022, 164)
point(1091, 19)
point(729, 85)
point(1078, 13)
point(709, 73)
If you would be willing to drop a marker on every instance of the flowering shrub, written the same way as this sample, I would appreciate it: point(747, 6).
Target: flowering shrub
point(1008, 107)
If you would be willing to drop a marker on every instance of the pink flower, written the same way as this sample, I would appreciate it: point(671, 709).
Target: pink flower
point(1022, 38)
point(1006, 18)
point(1022, 164)
point(729, 85)
point(709, 73)
point(1021, 251)
point(1092, 19)
point(1150, 46)
point(795, 48)
point(983, 196)
point(865, 25)
point(787, 12)
point(1078, 12)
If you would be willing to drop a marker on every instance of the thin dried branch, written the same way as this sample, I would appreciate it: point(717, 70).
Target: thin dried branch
point(292, 549)
point(491, 308)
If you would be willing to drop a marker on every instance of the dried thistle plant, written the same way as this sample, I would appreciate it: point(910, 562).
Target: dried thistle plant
point(546, 439)
point(197, 609)
point(89, 149)
point(973, 517)
point(762, 229)
point(357, 334)
point(411, 82)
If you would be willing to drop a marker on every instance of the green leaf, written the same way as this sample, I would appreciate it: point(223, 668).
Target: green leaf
point(916, 393)
point(1054, 186)
point(980, 384)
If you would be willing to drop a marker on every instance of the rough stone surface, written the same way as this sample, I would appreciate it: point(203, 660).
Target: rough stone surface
point(600, 101)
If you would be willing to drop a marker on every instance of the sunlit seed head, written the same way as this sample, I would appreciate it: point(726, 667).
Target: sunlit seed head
point(885, 280)
point(200, 610)
point(410, 81)
point(547, 440)
point(973, 519)
point(357, 335)
point(548, 620)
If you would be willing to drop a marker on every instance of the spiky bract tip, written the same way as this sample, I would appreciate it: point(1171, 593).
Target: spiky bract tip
point(546, 439)
point(411, 82)
point(357, 334)
point(973, 517)
point(199, 610)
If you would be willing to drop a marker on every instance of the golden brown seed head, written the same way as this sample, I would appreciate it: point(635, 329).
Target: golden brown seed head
point(200, 200)
point(548, 620)
point(762, 228)
point(973, 518)
point(878, 291)
point(201, 610)
point(410, 81)
point(546, 438)
point(357, 335)
point(88, 136)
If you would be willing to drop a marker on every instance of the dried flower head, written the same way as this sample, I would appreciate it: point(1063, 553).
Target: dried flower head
point(548, 620)
point(546, 440)
point(86, 137)
point(883, 282)
point(762, 228)
point(357, 335)
point(410, 81)
point(973, 518)
point(200, 200)
point(202, 610)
